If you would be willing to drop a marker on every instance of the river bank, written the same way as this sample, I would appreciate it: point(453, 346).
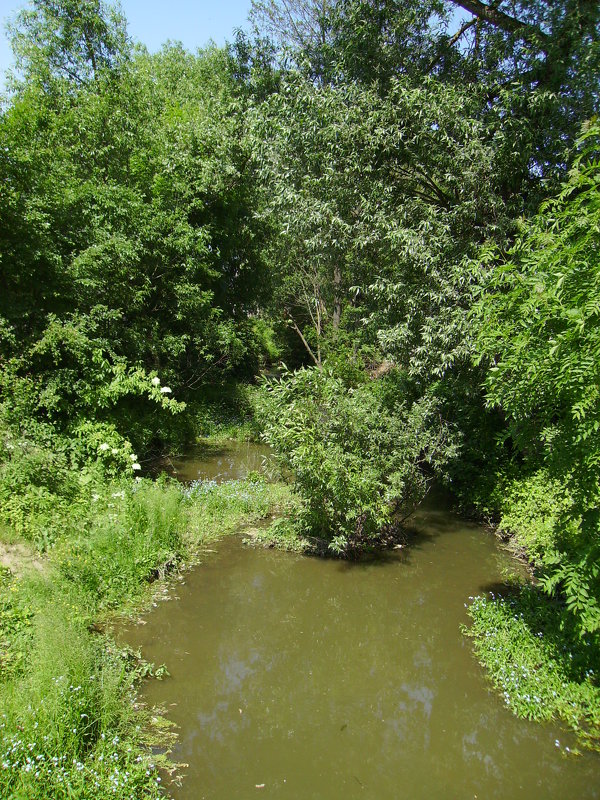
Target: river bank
point(70, 721)
point(347, 678)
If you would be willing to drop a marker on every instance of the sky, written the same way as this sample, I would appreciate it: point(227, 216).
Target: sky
point(152, 22)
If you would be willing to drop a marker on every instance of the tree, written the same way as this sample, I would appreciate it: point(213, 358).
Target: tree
point(373, 201)
point(74, 39)
point(128, 245)
point(533, 67)
point(296, 24)
point(362, 454)
point(539, 331)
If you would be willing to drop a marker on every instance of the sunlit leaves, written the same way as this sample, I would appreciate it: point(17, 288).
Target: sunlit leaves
point(539, 331)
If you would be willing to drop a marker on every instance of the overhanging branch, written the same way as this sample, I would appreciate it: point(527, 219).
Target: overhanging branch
point(503, 21)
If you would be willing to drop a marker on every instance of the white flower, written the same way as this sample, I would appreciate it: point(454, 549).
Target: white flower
point(165, 390)
point(114, 451)
point(104, 446)
point(155, 381)
point(135, 466)
point(133, 457)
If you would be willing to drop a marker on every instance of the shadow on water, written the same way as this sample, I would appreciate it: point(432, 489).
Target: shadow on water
point(215, 461)
point(206, 450)
point(412, 540)
point(322, 679)
point(502, 589)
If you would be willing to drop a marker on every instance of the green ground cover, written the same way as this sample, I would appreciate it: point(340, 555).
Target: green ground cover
point(69, 722)
point(537, 661)
point(409, 206)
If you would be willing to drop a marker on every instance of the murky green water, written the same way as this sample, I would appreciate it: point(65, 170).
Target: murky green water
point(224, 461)
point(302, 678)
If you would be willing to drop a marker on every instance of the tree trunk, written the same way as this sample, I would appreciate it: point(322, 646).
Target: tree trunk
point(337, 297)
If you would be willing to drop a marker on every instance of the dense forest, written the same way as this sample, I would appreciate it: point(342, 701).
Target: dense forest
point(367, 231)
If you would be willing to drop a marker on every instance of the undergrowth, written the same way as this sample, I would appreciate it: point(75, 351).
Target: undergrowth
point(537, 660)
point(69, 723)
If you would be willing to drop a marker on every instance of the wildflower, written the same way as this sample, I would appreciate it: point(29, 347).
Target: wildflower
point(136, 466)
point(166, 390)
point(115, 451)
point(133, 457)
point(155, 381)
point(104, 446)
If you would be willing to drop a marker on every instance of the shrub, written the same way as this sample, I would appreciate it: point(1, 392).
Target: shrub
point(361, 456)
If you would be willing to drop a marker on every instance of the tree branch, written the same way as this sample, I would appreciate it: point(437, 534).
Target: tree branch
point(304, 342)
point(501, 20)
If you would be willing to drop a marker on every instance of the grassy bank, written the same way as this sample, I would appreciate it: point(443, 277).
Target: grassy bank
point(69, 724)
point(543, 669)
point(538, 639)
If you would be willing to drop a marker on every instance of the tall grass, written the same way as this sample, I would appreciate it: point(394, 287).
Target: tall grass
point(136, 535)
point(69, 727)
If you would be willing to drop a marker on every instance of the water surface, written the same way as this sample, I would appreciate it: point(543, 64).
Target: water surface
point(302, 678)
point(217, 461)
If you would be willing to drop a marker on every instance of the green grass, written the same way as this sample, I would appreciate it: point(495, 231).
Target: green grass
point(69, 727)
point(280, 534)
point(537, 661)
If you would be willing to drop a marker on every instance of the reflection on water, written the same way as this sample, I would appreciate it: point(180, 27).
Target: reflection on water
point(223, 461)
point(335, 680)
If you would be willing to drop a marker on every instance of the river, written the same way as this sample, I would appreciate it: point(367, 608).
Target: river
point(301, 678)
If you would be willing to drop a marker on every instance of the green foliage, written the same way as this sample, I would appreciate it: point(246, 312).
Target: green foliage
point(282, 533)
point(224, 410)
point(219, 508)
point(15, 626)
point(127, 242)
point(372, 202)
point(68, 727)
point(170, 223)
point(361, 456)
point(547, 381)
point(538, 661)
point(535, 509)
point(530, 66)
point(131, 536)
point(77, 40)
point(538, 331)
point(47, 480)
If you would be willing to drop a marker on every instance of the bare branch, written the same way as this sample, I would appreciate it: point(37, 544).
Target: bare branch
point(316, 359)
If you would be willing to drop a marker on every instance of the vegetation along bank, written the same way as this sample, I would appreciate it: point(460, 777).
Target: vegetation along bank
point(398, 201)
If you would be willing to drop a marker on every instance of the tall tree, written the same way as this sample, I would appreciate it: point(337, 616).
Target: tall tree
point(371, 196)
point(74, 39)
point(538, 329)
point(297, 24)
point(128, 244)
